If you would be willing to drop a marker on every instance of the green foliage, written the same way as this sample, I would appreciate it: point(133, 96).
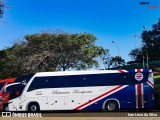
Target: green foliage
point(150, 44)
point(157, 97)
point(110, 61)
point(157, 90)
point(117, 61)
point(50, 52)
point(6, 69)
point(106, 59)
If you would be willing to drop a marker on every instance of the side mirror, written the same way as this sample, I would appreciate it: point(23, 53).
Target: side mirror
point(24, 82)
point(4, 91)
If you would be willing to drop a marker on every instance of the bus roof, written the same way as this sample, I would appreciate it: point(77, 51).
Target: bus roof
point(61, 73)
point(7, 80)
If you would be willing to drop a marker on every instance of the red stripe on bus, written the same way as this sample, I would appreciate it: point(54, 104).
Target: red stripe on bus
point(138, 70)
point(139, 88)
point(7, 80)
point(121, 71)
point(151, 83)
point(112, 90)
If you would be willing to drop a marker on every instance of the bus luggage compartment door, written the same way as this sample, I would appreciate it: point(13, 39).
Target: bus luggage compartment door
point(72, 102)
point(56, 103)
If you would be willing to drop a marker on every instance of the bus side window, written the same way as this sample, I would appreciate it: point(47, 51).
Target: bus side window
point(31, 87)
point(115, 79)
point(38, 83)
point(56, 81)
point(86, 80)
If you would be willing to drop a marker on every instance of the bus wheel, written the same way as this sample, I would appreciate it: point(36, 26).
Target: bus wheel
point(112, 106)
point(5, 107)
point(33, 107)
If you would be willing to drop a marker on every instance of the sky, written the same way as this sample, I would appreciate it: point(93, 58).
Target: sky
point(108, 20)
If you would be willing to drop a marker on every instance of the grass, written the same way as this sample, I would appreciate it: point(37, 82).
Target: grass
point(157, 88)
point(157, 80)
point(157, 77)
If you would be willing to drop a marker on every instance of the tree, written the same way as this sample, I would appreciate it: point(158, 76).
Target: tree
point(5, 67)
point(54, 52)
point(107, 59)
point(117, 61)
point(1, 8)
point(150, 44)
point(136, 54)
point(110, 61)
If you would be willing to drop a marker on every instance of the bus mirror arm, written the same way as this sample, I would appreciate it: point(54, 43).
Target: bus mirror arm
point(4, 92)
point(5, 88)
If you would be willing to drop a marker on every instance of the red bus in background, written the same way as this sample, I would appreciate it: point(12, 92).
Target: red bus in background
point(4, 97)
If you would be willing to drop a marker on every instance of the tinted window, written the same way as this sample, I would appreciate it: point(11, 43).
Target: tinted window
point(47, 82)
point(1, 85)
point(95, 80)
point(86, 80)
point(15, 90)
point(57, 81)
point(124, 78)
point(104, 79)
point(38, 83)
point(115, 79)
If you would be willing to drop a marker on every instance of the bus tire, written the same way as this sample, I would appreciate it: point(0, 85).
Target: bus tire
point(5, 108)
point(112, 106)
point(33, 107)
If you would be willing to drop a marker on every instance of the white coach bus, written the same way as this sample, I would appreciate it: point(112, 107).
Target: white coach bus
point(82, 90)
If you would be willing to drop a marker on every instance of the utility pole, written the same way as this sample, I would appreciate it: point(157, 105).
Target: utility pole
point(144, 27)
point(118, 51)
point(117, 48)
point(135, 36)
point(147, 60)
point(143, 63)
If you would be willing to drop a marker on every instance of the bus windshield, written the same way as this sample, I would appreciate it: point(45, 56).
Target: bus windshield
point(17, 89)
point(24, 79)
